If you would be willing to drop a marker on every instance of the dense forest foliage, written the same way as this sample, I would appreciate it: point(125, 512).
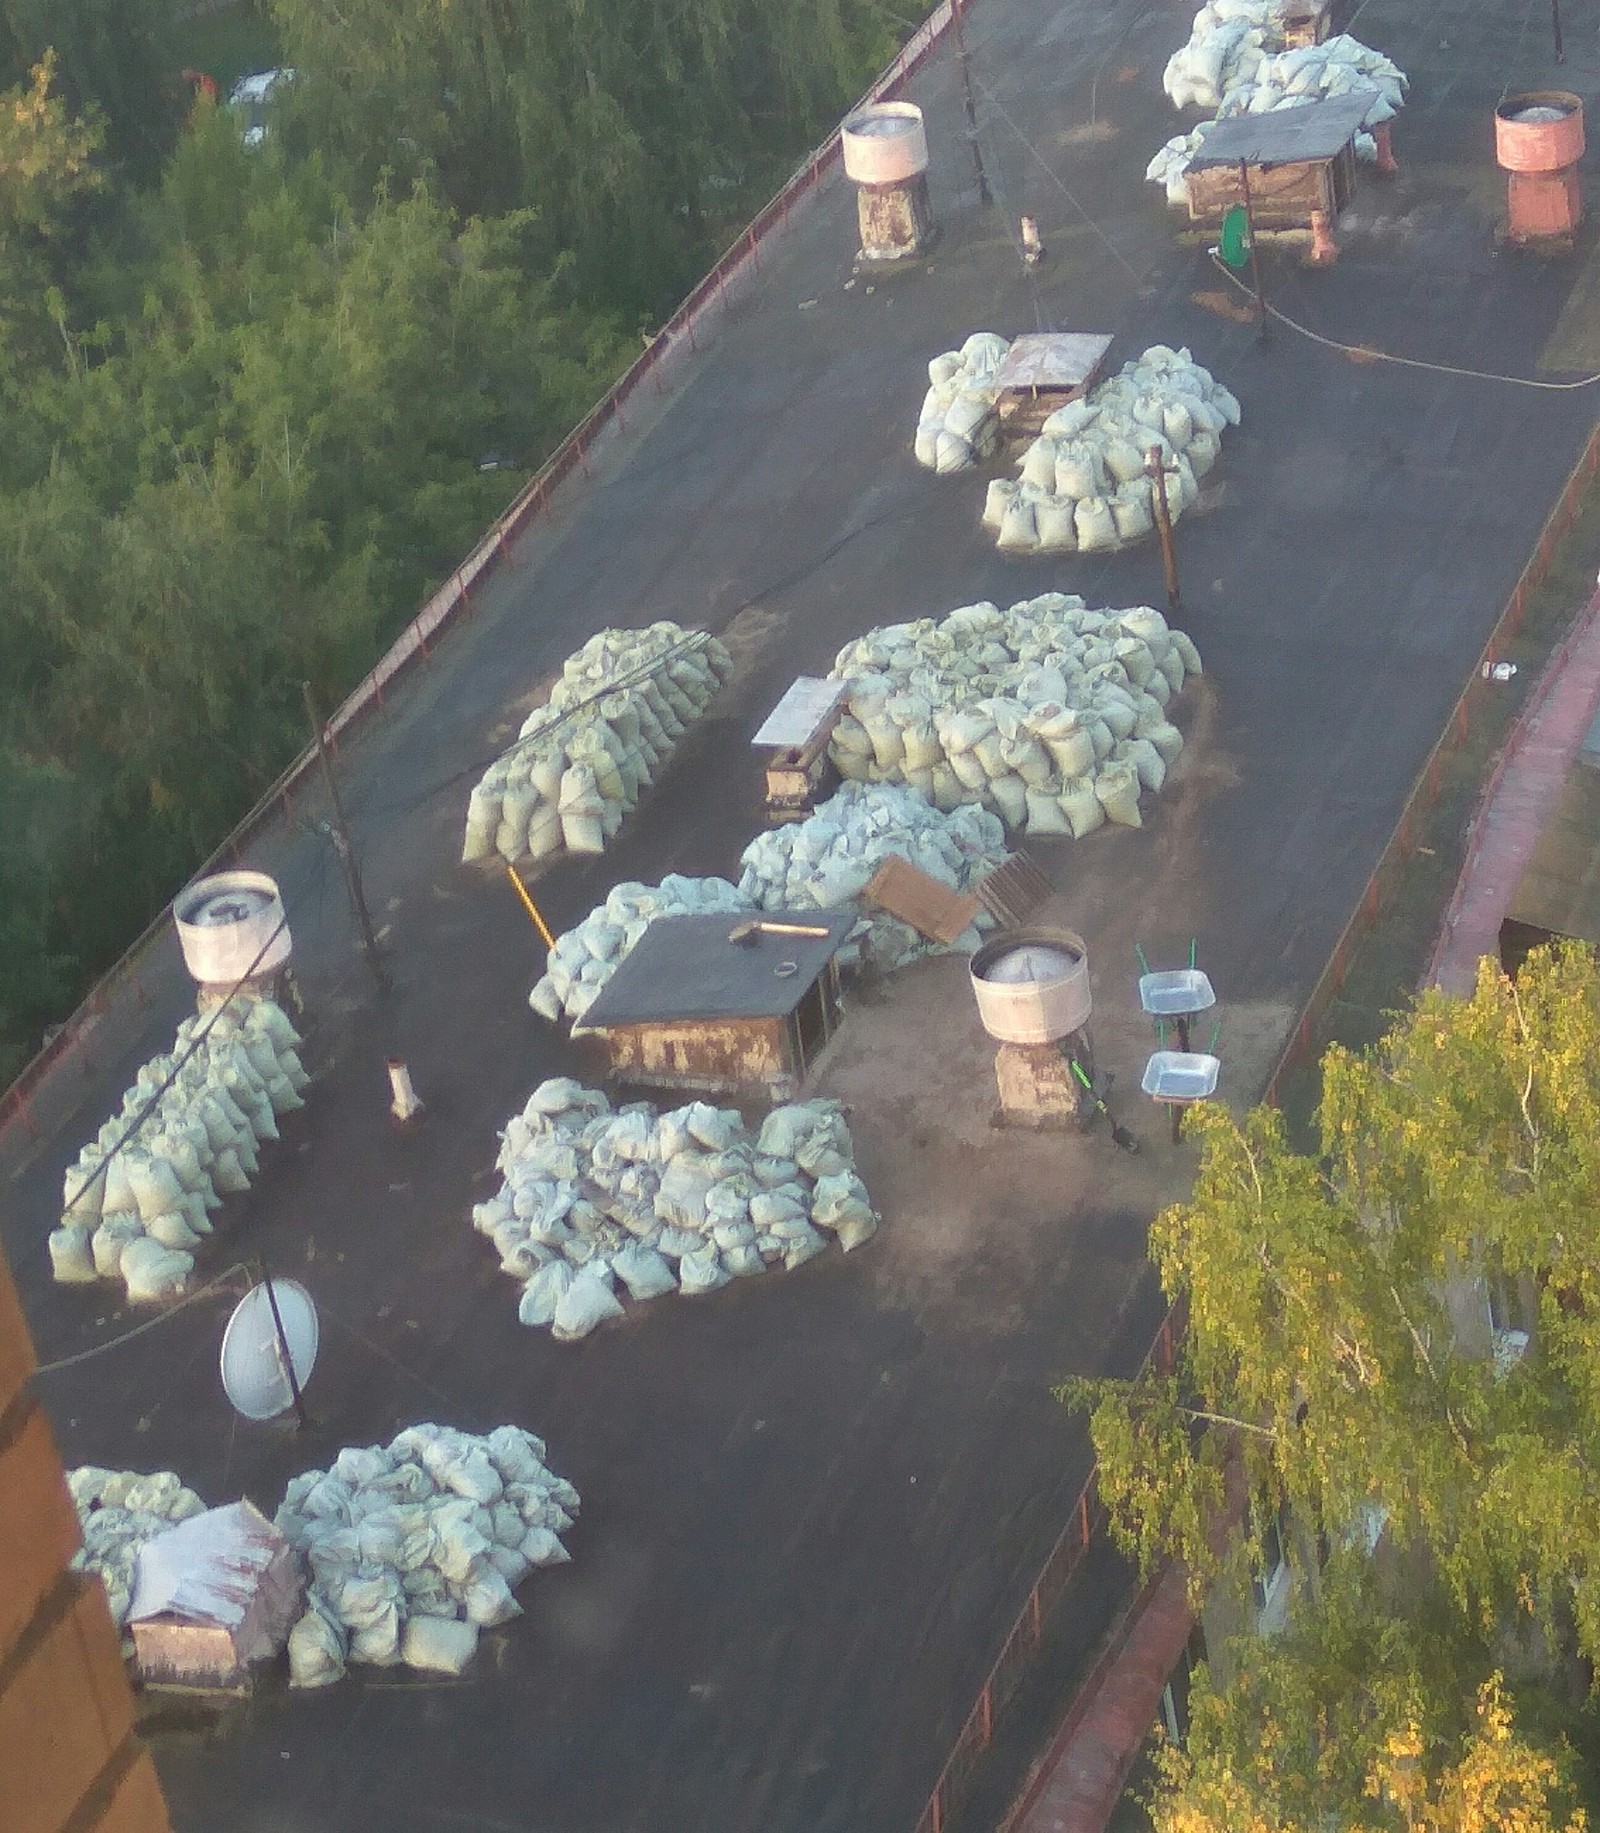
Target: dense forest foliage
point(251, 393)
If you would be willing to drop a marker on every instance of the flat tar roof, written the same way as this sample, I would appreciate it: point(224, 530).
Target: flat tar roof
point(814, 1501)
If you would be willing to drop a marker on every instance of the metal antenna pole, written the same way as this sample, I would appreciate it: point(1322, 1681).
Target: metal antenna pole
point(1156, 470)
point(284, 1356)
point(985, 195)
point(341, 843)
point(1255, 253)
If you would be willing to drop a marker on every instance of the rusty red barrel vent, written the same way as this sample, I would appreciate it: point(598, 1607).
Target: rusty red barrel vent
point(1538, 138)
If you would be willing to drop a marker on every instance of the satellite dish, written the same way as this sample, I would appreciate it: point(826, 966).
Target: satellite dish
point(255, 1368)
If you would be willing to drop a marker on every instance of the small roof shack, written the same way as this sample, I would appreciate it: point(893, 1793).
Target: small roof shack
point(212, 1596)
point(1045, 370)
point(725, 1003)
point(1295, 160)
point(795, 734)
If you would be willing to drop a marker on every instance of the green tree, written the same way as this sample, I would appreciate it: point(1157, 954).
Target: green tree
point(1332, 1301)
point(621, 124)
point(1482, 1778)
point(112, 65)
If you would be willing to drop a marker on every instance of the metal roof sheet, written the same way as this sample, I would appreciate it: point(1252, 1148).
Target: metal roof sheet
point(807, 703)
point(1053, 359)
point(1284, 136)
point(206, 1569)
point(685, 967)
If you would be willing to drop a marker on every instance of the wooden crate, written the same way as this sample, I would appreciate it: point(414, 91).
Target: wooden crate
point(1281, 197)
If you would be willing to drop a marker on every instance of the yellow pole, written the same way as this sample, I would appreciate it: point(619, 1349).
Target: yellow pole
point(531, 907)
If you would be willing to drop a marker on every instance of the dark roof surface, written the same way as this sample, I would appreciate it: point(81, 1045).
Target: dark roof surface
point(686, 967)
point(813, 1502)
point(1285, 136)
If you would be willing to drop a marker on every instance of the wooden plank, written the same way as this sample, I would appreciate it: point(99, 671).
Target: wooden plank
point(1282, 198)
point(911, 894)
point(1013, 890)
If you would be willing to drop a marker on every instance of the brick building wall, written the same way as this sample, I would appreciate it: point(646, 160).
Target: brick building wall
point(69, 1762)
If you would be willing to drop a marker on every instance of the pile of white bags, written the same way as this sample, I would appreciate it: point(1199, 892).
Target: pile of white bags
point(821, 863)
point(1049, 714)
point(583, 759)
point(1226, 44)
point(1083, 486)
point(826, 861)
point(414, 1547)
point(1171, 164)
point(586, 957)
point(1236, 46)
point(142, 1217)
point(118, 1511)
point(600, 1201)
point(1318, 73)
point(957, 426)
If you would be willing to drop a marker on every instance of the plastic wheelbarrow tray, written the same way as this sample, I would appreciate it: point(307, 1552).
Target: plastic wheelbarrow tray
point(1177, 993)
point(1181, 1075)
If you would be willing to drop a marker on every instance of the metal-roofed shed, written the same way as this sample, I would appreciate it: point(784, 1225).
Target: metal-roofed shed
point(725, 1003)
point(1294, 161)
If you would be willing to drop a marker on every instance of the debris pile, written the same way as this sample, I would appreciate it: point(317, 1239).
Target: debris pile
point(600, 1201)
point(1083, 486)
point(118, 1511)
point(958, 426)
point(583, 759)
point(140, 1213)
point(415, 1546)
point(1052, 716)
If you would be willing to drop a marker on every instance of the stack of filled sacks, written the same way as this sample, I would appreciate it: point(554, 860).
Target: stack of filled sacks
point(1238, 47)
point(1258, 77)
point(958, 426)
point(826, 861)
point(586, 956)
point(1227, 42)
point(1049, 714)
point(415, 1547)
point(139, 1215)
point(583, 759)
point(599, 1201)
point(821, 863)
point(1318, 73)
point(118, 1511)
point(1083, 486)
